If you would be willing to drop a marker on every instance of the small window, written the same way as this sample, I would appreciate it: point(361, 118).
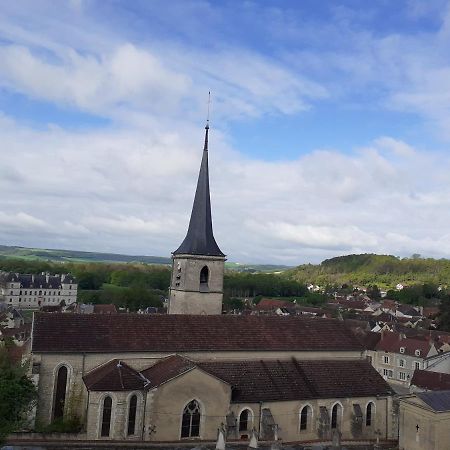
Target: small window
point(401, 363)
point(417, 352)
point(106, 416)
point(402, 376)
point(388, 373)
point(417, 365)
point(204, 278)
point(386, 359)
point(402, 349)
point(369, 412)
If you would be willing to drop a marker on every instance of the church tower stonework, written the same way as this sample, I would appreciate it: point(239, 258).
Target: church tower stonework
point(196, 285)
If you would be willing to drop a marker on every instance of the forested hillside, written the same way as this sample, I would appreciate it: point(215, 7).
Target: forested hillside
point(369, 269)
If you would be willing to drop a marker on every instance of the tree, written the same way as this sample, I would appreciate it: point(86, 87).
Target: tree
point(17, 394)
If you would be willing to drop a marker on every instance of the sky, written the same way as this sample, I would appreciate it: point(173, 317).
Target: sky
point(330, 125)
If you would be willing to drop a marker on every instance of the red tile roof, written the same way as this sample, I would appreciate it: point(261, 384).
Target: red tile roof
point(368, 339)
point(255, 381)
point(115, 375)
point(59, 332)
point(432, 381)
point(269, 304)
point(166, 369)
point(105, 309)
point(393, 342)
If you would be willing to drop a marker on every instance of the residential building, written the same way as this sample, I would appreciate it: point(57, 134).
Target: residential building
point(31, 291)
point(396, 356)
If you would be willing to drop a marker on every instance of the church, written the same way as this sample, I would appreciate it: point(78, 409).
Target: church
point(183, 376)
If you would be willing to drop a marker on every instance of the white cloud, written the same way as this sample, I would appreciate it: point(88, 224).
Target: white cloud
point(129, 186)
point(131, 191)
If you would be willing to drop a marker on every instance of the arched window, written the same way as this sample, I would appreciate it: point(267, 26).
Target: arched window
point(190, 424)
point(369, 413)
point(204, 278)
point(335, 415)
point(132, 415)
point(245, 420)
point(305, 414)
point(60, 392)
point(106, 416)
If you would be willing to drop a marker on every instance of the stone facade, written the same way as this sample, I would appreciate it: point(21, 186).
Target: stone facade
point(159, 410)
point(421, 427)
point(29, 291)
point(193, 291)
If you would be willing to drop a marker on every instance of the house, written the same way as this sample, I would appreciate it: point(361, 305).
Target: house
point(270, 305)
point(425, 421)
point(406, 311)
point(426, 380)
point(35, 290)
point(396, 356)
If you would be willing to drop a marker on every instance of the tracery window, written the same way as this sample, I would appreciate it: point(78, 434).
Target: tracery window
point(190, 424)
point(106, 417)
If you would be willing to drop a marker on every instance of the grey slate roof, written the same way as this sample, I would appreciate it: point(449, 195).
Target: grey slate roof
point(37, 281)
point(437, 400)
point(199, 239)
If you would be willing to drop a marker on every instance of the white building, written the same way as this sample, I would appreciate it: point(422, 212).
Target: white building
point(34, 291)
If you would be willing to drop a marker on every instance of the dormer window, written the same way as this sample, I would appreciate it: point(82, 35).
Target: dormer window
point(402, 349)
point(204, 278)
point(417, 352)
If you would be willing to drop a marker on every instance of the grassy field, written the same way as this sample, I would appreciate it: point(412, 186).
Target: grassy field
point(74, 256)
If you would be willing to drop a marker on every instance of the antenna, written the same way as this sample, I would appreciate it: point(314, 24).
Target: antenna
point(205, 147)
point(209, 104)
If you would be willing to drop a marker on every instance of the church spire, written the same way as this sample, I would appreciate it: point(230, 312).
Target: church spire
point(199, 239)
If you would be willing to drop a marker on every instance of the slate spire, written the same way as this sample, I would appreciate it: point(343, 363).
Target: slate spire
point(199, 239)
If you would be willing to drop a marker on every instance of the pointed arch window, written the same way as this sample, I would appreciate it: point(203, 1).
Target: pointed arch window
point(369, 414)
point(305, 414)
point(60, 392)
point(204, 279)
point(335, 415)
point(132, 415)
point(190, 424)
point(106, 417)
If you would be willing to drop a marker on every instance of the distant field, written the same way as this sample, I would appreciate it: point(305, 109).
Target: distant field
point(74, 256)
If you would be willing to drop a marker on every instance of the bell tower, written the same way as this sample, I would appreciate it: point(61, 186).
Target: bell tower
point(196, 285)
